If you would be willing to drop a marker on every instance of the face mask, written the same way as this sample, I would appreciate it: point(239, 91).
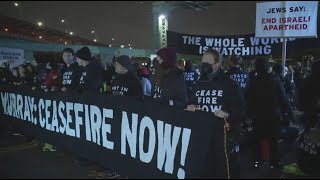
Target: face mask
point(206, 71)
point(206, 68)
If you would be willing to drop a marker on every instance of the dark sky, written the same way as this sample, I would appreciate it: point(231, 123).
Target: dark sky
point(131, 22)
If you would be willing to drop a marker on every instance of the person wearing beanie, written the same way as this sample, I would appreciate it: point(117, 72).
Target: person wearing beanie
point(125, 83)
point(236, 73)
point(70, 71)
point(91, 75)
point(169, 87)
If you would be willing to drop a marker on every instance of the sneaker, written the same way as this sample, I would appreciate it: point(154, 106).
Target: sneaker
point(49, 147)
point(256, 164)
point(17, 134)
point(293, 169)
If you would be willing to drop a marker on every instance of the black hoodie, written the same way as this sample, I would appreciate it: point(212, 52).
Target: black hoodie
point(127, 85)
point(239, 76)
point(174, 89)
point(220, 93)
point(70, 76)
point(91, 78)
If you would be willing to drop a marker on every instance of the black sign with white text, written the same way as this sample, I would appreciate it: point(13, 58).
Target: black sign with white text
point(137, 139)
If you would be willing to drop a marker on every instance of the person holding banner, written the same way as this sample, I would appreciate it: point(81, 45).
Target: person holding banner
point(70, 71)
point(169, 86)
point(126, 83)
point(216, 93)
point(91, 77)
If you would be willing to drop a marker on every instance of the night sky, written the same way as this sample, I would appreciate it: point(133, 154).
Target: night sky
point(131, 22)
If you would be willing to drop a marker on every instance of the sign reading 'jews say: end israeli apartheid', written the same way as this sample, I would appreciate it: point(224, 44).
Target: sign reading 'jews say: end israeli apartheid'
point(138, 139)
point(287, 19)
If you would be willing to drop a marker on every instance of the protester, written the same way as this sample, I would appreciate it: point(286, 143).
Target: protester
point(216, 93)
point(5, 73)
point(236, 73)
point(70, 71)
point(91, 77)
point(308, 156)
point(309, 96)
point(50, 81)
point(169, 86)
point(145, 83)
point(126, 83)
point(190, 76)
point(266, 102)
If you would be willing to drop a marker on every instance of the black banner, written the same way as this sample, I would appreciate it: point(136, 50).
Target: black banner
point(137, 139)
point(243, 45)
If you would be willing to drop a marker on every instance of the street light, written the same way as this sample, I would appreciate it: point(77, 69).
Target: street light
point(112, 39)
point(130, 48)
point(92, 32)
point(71, 33)
point(110, 45)
point(65, 42)
point(6, 29)
point(129, 44)
point(39, 23)
point(162, 16)
point(16, 4)
point(40, 37)
point(62, 20)
point(122, 46)
point(95, 40)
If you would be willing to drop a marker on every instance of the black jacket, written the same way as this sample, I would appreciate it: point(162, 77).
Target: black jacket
point(70, 76)
point(127, 85)
point(220, 93)
point(190, 77)
point(239, 76)
point(174, 89)
point(91, 78)
point(266, 103)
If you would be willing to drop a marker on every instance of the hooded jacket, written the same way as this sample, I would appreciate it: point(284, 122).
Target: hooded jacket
point(174, 89)
point(127, 85)
point(70, 76)
point(266, 102)
point(239, 76)
point(91, 78)
point(220, 93)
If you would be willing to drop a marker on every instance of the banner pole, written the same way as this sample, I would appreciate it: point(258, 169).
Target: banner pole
point(284, 54)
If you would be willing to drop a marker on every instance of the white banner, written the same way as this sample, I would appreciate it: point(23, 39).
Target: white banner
point(13, 56)
point(287, 19)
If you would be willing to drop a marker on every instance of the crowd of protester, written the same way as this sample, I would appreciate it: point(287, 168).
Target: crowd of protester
point(256, 104)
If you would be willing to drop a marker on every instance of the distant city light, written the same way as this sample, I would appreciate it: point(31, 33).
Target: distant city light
point(39, 23)
point(95, 40)
point(62, 20)
point(40, 37)
point(71, 33)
